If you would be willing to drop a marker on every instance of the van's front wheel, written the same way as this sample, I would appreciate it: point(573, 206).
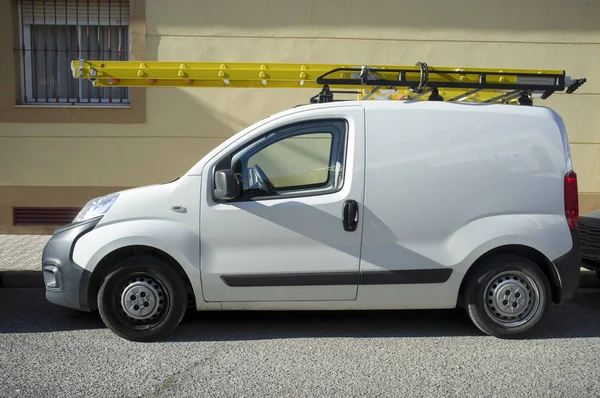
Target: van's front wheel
point(143, 300)
point(507, 296)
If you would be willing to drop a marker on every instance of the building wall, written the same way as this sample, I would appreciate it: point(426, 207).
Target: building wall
point(66, 158)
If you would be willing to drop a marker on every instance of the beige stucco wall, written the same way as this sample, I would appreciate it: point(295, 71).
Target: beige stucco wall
point(184, 124)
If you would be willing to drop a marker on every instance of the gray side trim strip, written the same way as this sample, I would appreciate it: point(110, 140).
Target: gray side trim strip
point(401, 277)
point(406, 277)
point(312, 279)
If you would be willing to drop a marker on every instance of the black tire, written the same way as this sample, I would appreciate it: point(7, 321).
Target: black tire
point(488, 305)
point(598, 275)
point(166, 291)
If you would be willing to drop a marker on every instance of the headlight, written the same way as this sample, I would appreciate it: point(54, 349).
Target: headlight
point(96, 207)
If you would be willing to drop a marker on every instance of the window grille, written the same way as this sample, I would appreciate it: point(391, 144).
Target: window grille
point(54, 32)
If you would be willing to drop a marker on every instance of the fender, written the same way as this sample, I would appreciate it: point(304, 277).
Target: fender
point(545, 233)
point(175, 239)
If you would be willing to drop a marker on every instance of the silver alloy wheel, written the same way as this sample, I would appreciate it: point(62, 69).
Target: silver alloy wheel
point(142, 299)
point(512, 298)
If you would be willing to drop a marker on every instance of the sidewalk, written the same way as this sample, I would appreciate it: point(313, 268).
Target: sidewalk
point(21, 260)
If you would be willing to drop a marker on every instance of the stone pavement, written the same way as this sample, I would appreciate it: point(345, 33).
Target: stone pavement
point(22, 252)
point(21, 260)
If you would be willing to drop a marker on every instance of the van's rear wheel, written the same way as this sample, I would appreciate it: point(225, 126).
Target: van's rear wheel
point(507, 296)
point(143, 300)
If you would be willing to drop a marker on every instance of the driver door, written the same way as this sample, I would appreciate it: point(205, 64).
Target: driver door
point(285, 238)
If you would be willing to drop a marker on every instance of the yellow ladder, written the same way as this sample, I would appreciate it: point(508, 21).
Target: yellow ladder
point(418, 82)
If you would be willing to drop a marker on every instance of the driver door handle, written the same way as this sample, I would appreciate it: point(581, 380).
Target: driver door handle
point(350, 215)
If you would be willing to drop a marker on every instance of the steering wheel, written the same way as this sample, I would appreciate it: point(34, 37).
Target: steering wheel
point(264, 180)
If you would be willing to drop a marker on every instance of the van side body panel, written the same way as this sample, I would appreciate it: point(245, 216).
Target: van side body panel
point(446, 183)
point(272, 241)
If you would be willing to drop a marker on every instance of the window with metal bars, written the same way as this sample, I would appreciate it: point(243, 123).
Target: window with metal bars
point(55, 32)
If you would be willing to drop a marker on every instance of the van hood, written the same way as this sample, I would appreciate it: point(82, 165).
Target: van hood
point(158, 201)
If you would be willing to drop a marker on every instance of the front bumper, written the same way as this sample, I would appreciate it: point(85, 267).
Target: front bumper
point(66, 282)
point(568, 267)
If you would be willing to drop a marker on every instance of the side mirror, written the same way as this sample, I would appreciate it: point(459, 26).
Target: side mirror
point(226, 186)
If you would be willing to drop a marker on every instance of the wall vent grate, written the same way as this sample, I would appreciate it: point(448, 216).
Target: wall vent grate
point(23, 216)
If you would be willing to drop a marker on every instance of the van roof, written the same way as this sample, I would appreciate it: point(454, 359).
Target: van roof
point(535, 110)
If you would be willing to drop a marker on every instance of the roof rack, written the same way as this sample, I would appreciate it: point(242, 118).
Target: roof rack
point(377, 82)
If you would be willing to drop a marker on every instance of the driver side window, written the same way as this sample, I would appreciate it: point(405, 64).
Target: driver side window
point(299, 160)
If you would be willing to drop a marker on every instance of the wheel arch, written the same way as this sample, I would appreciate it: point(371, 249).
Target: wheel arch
point(109, 262)
point(528, 252)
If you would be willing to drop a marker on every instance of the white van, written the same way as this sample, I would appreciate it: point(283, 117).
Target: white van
point(357, 205)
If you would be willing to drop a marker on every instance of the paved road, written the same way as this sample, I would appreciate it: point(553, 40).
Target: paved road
point(50, 351)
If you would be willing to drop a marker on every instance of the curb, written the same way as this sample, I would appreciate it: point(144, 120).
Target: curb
point(21, 279)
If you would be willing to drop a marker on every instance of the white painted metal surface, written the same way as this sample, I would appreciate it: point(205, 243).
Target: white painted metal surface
point(447, 183)
point(441, 185)
point(287, 235)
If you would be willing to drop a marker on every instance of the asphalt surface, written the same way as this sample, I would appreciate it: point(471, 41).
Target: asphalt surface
point(47, 350)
